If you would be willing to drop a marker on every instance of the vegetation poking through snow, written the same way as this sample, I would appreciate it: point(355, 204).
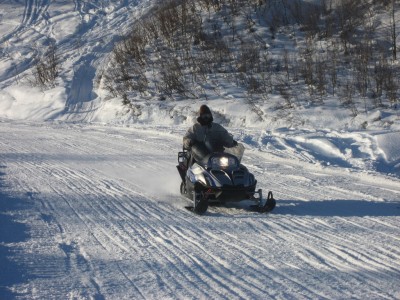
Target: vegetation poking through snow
point(47, 67)
point(299, 50)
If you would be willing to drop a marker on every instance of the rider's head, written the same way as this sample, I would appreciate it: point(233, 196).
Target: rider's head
point(205, 115)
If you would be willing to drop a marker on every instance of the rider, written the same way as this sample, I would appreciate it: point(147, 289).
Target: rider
point(207, 136)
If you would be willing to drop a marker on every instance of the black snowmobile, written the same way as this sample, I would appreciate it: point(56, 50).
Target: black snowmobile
point(217, 178)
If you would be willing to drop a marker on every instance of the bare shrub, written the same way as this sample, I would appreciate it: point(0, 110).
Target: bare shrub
point(307, 63)
point(348, 92)
point(320, 78)
point(254, 85)
point(285, 90)
point(172, 77)
point(249, 58)
point(361, 60)
point(333, 61)
point(46, 68)
point(125, 75)
point(134, 45)
point(311, 20)
point(168, 20)
point(379, 80)
point(151, 28)
point(392, 85)
point(351, 15)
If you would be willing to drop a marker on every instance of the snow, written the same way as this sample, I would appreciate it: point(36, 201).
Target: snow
point(389, 144)
point(95, 212)
point(36, 106)
point(89, 193)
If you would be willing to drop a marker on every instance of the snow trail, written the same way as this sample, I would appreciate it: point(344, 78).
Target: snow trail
point(95, 226)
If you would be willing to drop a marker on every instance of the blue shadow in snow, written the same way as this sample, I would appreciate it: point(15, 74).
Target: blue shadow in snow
point(389, 168)
point(338, 208)
point(11, 232)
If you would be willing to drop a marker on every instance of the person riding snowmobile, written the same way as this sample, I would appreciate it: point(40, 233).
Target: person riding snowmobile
point(211, 170)
point(206, 136)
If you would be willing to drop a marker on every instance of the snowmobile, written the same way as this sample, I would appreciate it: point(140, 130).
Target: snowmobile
point(218, 177)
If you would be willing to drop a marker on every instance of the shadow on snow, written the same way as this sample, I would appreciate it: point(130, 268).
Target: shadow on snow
point(11, 232)
point(315, 208)
point(338, 208)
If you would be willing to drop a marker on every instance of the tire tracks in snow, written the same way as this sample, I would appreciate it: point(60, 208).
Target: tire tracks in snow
point(118, 240)
point(105, 238)
point(87, 187)
point(33, 13)
point(338, 249)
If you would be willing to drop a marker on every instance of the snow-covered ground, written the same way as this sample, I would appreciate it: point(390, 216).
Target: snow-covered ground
point(89, 193)
point(94, 212)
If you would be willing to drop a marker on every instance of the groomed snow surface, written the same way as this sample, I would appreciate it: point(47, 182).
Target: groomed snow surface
point(94, 212)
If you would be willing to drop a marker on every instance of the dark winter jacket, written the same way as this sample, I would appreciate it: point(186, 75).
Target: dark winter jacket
point(211, 134)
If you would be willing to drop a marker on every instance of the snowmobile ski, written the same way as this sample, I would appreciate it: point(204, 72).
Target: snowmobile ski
point(268, 206)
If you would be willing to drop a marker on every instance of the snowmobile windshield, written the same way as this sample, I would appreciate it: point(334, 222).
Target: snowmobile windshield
point(237, 151)
point(200, 153)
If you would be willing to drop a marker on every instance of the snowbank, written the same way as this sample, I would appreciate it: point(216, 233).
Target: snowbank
point(23, 102)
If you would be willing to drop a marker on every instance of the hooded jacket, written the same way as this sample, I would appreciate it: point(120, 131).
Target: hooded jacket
point(209, 133)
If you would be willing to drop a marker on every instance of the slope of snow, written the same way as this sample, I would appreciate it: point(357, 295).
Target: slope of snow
point(85, 33)
point(389, 144)
point(94, 212)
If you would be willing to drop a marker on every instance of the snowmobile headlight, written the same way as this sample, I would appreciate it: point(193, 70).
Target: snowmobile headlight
point(223, 162)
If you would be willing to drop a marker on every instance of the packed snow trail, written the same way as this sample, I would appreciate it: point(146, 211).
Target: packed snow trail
point(94, 212)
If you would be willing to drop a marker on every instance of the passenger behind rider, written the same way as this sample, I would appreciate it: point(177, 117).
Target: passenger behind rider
point(205, 136)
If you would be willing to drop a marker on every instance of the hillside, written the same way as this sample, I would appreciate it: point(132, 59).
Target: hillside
point(261, 66)
point(282, 60)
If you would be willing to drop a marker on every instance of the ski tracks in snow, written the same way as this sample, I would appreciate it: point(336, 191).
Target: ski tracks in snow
point(107, 222)
point(34, 10)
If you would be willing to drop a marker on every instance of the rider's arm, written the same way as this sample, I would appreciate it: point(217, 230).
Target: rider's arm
point(226, 138)
point(189, 138)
